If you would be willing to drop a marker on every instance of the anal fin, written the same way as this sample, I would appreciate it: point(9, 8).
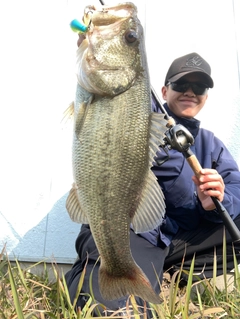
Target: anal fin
point(151, 209)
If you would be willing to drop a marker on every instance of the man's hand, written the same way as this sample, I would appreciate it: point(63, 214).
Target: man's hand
point(210, 183)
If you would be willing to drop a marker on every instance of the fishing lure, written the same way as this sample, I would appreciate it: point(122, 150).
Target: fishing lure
point(77, 26)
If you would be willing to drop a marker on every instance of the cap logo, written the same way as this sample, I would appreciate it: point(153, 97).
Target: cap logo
point(196, 62)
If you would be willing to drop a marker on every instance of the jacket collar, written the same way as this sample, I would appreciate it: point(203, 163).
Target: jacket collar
point(191, 124)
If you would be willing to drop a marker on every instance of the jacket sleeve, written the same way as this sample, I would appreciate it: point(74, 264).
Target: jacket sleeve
point(220, 158)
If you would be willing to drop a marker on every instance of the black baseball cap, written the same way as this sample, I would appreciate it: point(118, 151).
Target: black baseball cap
point(190, 63)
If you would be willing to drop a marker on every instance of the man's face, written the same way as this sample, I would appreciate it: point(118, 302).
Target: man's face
point(185, 104)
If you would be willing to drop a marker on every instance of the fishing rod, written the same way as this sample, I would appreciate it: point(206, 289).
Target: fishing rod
point(179, 138)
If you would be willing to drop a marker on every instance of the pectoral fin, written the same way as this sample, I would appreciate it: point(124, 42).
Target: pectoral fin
point(74, 208)
point(68, 113)
point(81, 115)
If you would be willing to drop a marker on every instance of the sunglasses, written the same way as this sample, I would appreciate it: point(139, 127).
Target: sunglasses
point(197, 88)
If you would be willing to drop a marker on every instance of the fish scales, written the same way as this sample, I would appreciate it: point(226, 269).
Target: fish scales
point(115, 138)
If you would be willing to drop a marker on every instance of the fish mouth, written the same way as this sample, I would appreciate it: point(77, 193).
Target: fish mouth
point(107, 15)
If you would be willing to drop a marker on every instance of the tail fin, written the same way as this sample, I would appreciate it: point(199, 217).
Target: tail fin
point(132, 283)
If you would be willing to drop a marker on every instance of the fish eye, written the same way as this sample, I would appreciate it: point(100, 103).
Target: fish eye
point(131, 36)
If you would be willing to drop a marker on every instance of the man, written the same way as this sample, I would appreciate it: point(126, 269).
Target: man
point(192, 224)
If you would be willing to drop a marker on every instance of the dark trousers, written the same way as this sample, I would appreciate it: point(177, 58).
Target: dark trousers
point(154, 260)
point(204, 242)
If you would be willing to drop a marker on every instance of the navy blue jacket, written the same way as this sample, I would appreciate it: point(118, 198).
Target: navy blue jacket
point(183, 210)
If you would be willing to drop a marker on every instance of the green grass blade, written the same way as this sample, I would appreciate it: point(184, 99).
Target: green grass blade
point(79, 288)
point(21, 275)
point(173, 291)
point(174, 288)
point(214, 271)
point(70, 307)
point(225, 263)
point(15, 294)
point(189, 287)
point(236, 271)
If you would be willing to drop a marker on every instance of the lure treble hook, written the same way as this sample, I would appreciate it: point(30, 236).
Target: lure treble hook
point(80, 27)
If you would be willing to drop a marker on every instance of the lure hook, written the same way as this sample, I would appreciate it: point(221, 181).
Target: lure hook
point(77, 26)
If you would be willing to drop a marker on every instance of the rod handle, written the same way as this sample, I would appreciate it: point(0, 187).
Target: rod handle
point(194, 164)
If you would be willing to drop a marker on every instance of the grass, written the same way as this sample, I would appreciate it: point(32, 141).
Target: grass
point(25, 295)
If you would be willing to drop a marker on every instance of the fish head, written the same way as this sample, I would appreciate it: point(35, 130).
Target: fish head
point(112, 57)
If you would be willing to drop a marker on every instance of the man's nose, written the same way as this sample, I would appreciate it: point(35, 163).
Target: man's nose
point(189, 92)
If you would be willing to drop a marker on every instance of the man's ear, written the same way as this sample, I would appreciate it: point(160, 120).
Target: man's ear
point(164, 93)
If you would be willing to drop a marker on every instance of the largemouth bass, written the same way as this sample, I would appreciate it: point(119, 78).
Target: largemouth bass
point(116, 136)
